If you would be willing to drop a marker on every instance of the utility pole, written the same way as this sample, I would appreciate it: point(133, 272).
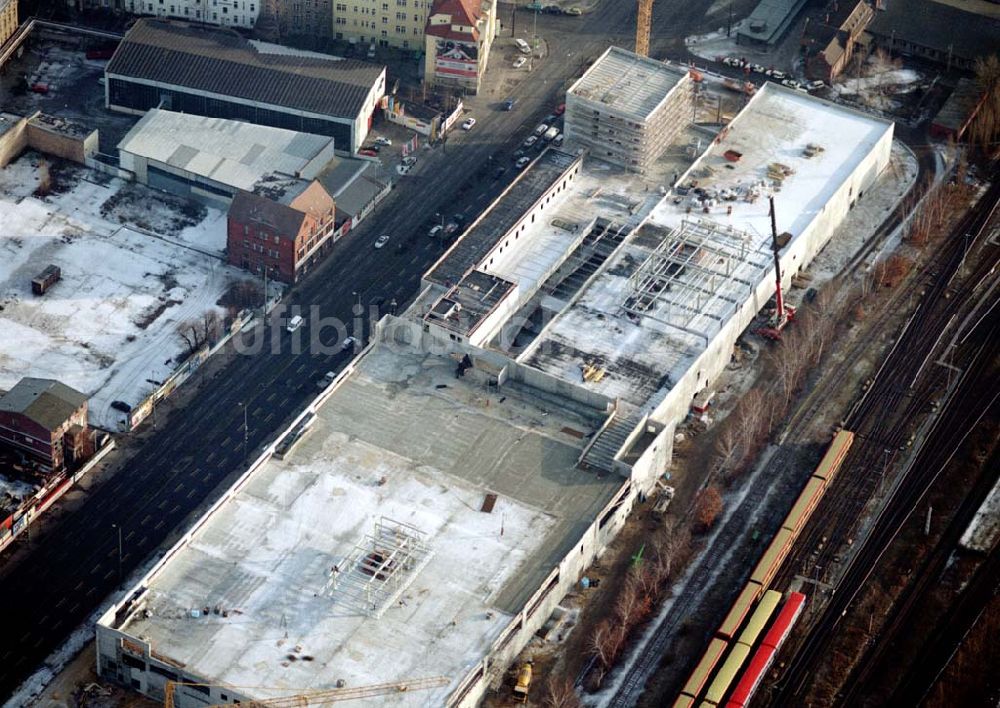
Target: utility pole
point(729, 24)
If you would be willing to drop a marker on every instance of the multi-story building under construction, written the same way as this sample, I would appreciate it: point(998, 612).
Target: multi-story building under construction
point(627, 108)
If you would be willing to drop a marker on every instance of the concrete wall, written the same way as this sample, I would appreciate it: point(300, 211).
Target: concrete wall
point(14, 140)
point(796, 256)
point(550, 593)
point(77, 148)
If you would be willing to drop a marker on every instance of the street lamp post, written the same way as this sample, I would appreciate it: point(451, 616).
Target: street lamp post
point(246, 430)
point(119, 528)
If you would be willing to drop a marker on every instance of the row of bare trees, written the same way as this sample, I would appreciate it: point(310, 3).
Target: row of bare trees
point(643, 587)
point(195, 333)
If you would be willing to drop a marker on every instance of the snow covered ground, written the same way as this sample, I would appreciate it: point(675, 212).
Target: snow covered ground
point(108, 327)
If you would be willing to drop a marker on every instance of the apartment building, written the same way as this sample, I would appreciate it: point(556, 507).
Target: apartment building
point(226, 13)
point(459, 35)
point(384, 23)
point(8, 19)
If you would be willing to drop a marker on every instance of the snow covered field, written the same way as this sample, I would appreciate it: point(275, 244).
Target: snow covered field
point(108, 327)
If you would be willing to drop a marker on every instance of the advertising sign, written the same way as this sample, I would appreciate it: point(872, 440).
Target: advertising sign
point(454, 58)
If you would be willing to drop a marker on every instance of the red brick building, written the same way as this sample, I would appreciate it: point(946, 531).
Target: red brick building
point(286, 237)
point(46, 420)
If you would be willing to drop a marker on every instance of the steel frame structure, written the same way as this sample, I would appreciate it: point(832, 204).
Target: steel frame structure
point(683, 265)
point(380, 567)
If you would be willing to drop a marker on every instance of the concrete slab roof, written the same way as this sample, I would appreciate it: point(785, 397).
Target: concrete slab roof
point(404, 439)
point(628, 83)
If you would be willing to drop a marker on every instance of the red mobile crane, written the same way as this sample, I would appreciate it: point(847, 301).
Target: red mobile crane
point(783, 314)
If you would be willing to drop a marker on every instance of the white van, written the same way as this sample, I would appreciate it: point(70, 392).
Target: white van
point(294, 323)
point(522, 45)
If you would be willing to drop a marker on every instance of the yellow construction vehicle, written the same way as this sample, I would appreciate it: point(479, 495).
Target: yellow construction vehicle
point(319, 697)
point(523, 682)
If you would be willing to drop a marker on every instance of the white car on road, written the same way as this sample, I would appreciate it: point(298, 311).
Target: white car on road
point(381, 240)
point(468, 123)
point(381, 140)
point(522, 162)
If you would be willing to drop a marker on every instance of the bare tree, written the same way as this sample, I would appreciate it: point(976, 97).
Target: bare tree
point(189, 332)
point(606, 641)
point(627, 600)
point(209, 326)
point(727, 448)
point(559, 693)
point(708, 508)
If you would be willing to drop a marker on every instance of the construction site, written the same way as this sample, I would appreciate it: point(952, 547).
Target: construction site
point(425, 516)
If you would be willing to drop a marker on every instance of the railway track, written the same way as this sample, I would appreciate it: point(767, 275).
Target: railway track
point(636, 677)
point(872, 666)
point(882, 420)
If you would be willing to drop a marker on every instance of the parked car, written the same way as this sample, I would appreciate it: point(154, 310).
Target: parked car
point(815, 85)
point(509, 104)
point(558, 140)
point(349, 343)
point(294, 323)
point(541, 128)
point(381, 240)
point(435, 231)
point(730, 61)
point(560, 109)
point(499, 172)
point(409, 160)
point(791, 83)
point(757, 68)
point(523, 46)
point(550, 134)
point(374, 147)
point(522, 162)
point(403, 170)
point(531, 140)
point(777, 75)
point(382, 140)
point(468, 123)
point(327, 379)
point(553, 10)
point(519, 62)
point(573, 11)
point(368, 152)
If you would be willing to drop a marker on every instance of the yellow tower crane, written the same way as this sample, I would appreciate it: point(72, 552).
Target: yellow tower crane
point(643, 21)
point(320, 697)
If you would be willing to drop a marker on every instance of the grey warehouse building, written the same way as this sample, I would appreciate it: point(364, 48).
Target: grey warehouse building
point(219, 74)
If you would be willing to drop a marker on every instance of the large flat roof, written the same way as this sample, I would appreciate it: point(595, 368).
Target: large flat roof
point(654, 306)
point(401, 439)
point(241, 155)
point(626, 82)
point(477, 241)
point(221, 61)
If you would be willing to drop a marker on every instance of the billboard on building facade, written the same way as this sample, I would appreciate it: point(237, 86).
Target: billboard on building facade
point(454, 58)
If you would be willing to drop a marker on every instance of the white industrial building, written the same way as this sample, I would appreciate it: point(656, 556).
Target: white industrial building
point(210, 159)
point(428, 524)
point(218, 73)
point(627, 108)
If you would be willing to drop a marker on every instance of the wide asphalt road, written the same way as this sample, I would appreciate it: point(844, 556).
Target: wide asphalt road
point(192, 457)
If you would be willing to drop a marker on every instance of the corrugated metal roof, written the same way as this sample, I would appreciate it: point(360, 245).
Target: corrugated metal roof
point(45, 401)
point(227, 151)
point(223, 62)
